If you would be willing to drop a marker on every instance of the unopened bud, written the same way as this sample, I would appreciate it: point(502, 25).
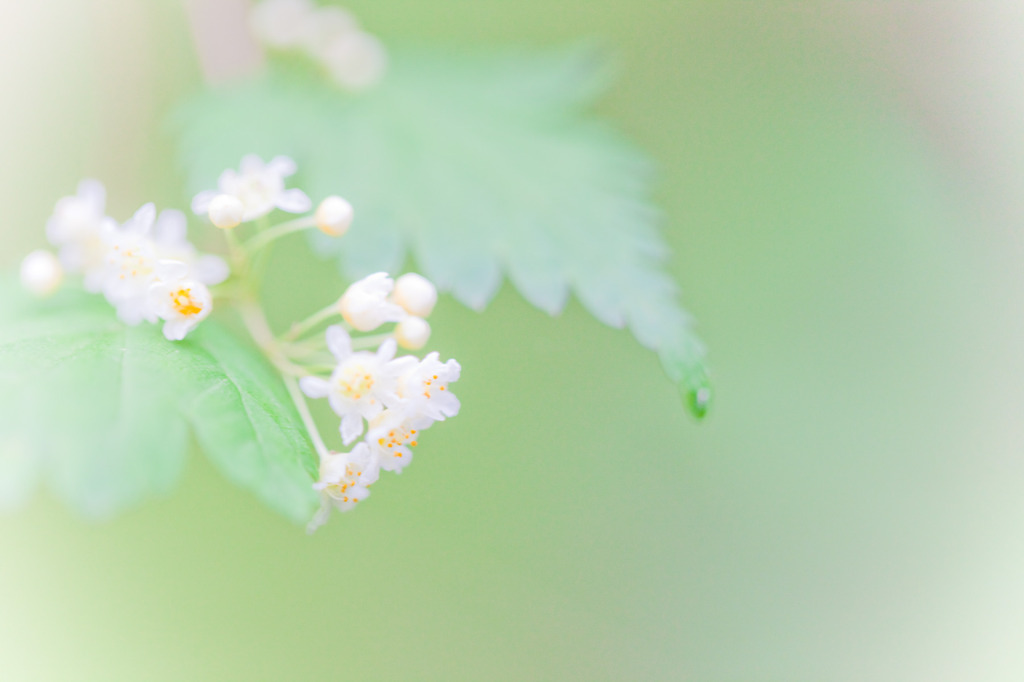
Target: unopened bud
point(41, 273)
point(226, 211)
point(416, 294)
point(334, 216)
point(412, 333)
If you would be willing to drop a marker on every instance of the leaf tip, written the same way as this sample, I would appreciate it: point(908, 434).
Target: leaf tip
point(698, 400)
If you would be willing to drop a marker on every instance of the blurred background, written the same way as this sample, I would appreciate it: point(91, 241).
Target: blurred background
point(842, 184)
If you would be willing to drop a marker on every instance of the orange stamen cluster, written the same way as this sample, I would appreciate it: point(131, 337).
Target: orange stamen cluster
point(355, 383)
point(184, 303)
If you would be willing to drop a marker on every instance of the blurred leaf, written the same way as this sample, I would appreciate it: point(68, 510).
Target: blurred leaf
point(102, 412)
point(480, 167)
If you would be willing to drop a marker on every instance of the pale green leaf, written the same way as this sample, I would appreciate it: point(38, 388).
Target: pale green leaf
point(102, 412)
point(479, 168)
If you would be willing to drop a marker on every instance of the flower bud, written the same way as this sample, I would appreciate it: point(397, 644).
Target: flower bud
point(334, 216)
point(365, 304)
point(226, 211)
point(416, 294)
point(355, 60)
point(412, 333)
point(41, 273)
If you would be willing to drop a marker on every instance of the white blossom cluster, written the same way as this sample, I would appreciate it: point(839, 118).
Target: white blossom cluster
point(146, 267)
point(391, 399)
point(329, 35)
point(149, 271)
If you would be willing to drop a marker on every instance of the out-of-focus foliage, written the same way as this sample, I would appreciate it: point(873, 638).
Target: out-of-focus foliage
point(102, 412)
point(478, 167)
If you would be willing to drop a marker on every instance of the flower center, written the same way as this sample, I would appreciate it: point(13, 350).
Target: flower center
point(183, 302)
point(355, 382)
point(397, 437)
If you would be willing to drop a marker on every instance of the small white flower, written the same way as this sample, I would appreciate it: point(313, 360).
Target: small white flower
point(424, 389)
point(77, 228)
point(355, 60)
point(226, 211)
point(362, 384)
point(416, 294)
point(391, 436)
point(282, 23)
point(178, 300)
point(412, 333)
point(345, 480)
point(41, 273)
point(260, 188)
point(334, 216)
point(365, 304)
point(326, 25)
point(130, 267)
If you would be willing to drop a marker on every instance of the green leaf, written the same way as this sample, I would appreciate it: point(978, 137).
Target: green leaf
point(102, 412)
point(478, 167)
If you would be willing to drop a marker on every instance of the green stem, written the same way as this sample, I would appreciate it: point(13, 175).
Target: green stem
point(311, 322)
point(267, 236)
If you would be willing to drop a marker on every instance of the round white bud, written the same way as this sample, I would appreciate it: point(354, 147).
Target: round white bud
point(282, 24)
point(226, 211)
point(334, 216)
point(412, 333)
point(41, 273)
point(355, 60)
point(416, 294)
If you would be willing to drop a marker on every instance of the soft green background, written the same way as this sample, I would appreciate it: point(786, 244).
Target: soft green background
point(851, 510)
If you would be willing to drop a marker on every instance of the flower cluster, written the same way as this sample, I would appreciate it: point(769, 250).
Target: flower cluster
point(329, 35)
point(149, 271)
point(146, 267)
point(391, 399)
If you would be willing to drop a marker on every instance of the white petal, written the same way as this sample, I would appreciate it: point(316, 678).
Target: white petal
point(201, 202)
point(171, 270)
point(176, 330)
point(322, 514)
point(294, 201)
point(282, 165)
point(251, 163)
point(171, 227)
point(143, 219)
point(93, 193)
point(314, 387)
point(339, 342)
point(227, 181)
point(387, 350)
point(211, 270)
point(351, 427)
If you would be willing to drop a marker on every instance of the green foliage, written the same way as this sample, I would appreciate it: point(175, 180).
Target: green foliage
point(102, 412)
point(479, 168)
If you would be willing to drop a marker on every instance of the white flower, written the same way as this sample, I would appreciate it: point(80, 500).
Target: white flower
point(170, 237)
point(345, 480)
point(334, 216)
point(138, 257)
point(424, 389)
point(78, 227)
point(362, 384)
point(355, 60)
point(365, 304)
point(416, 294)
point(41, 273)
point(412, 333)
point(178, 300)
point(260, 188)
point(391, 436)
point(130, 267)
point(282, 23)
